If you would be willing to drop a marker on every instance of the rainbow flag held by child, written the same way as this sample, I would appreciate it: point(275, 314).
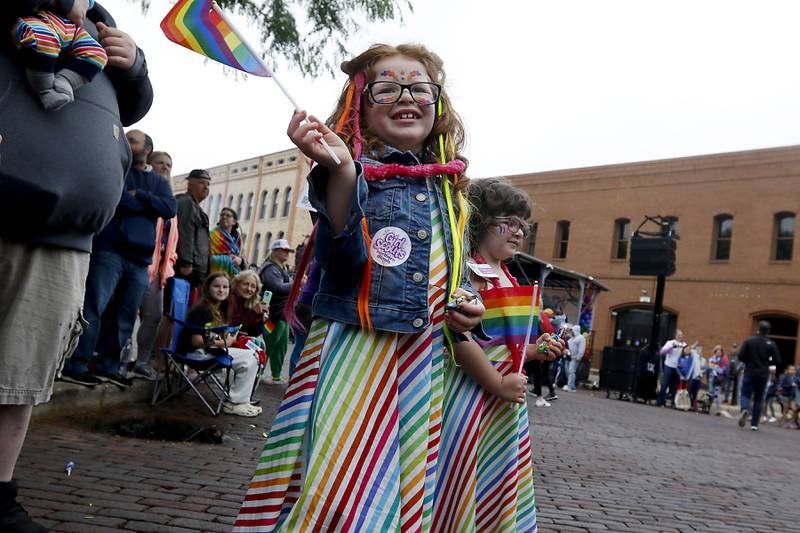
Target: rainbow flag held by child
point(508, 312)
point(267, 328)
point(200, 26)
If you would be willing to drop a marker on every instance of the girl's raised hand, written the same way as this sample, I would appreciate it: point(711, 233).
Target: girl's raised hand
point(306, 136)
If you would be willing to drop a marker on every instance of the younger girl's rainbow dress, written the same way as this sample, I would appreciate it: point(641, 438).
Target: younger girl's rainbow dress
point(355, 444)
point(485, 481)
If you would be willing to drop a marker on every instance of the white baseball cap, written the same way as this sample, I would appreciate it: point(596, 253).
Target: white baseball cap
point(281, 244)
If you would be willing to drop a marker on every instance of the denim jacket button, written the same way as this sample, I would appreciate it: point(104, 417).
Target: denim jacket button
point(422, 234)
point(417, 322)
point(418, 277)
point(421, 197)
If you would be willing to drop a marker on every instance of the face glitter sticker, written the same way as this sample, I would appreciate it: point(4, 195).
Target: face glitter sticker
point(403, 76)
point(391, 247)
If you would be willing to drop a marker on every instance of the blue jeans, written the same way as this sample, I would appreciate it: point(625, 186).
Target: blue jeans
point(669, 380)
point(753, 386)
point(573, 369)
point(299, 344)
point(110, 275)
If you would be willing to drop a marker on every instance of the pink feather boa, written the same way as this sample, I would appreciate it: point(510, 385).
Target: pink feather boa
point(382, 172)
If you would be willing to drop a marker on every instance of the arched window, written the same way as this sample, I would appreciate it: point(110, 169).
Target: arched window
point(239, 205)
point(280, 235)
point(274, 211)
point(249, 206)
point(622, 234)
point(262, 210)
point(287, 201)
point(230, 201)
point(562, 239)
point(256, 244)
point(267, 242)
point(783, 237)
point(532, 238)
point(723, 235)
point(218, 207)
point(210, 205)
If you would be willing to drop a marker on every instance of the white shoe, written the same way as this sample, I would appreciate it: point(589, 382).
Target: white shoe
point(565, 388)
point(542, 403)
point(772, 419)
point(726, 414)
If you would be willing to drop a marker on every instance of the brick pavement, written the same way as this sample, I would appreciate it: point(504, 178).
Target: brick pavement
point(601, 465)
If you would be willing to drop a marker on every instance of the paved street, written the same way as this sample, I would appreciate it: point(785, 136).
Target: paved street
point(601, 465)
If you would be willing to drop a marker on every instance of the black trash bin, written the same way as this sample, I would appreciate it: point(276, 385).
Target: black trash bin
point(647, 378)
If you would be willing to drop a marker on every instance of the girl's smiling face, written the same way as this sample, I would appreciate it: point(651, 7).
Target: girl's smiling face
point(219, 288)
point(404, 124)
point(502, 239)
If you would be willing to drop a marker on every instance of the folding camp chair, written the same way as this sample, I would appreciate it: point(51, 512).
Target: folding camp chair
point(182, 373)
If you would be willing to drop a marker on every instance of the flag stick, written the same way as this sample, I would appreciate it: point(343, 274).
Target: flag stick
point(219, 11)
point(530, 326)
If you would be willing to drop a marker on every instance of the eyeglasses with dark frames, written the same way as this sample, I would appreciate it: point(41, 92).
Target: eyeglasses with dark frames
point(390, 92)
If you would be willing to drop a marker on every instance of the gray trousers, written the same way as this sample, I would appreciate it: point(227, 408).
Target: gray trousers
point(150, 317)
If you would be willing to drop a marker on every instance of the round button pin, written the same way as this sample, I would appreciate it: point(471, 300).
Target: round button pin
point(422, 234)
point(417, 323)
point(421, 196)
point(418, 277)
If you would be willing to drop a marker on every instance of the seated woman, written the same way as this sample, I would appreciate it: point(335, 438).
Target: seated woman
point(210, 312)
point(245, 307)
point(226, 244)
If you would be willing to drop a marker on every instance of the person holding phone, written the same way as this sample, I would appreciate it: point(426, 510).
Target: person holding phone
point(671, 352)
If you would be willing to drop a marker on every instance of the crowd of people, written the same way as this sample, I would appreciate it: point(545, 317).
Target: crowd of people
point(746, 376)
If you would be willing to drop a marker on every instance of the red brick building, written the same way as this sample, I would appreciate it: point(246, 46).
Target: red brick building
point(737, 258)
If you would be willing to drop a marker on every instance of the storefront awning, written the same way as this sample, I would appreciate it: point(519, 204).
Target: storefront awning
point(528, 269)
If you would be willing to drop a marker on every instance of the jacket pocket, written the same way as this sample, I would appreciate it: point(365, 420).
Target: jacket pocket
point(384, 200)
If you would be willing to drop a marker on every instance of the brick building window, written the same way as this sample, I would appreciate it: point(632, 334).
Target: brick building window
point(287, 201)
point(249, 206)
point(262, 210)
point(256, 245)
point(267, 242)
point(723, 234)
point(274, 211)
point(532, 238)
point(622, 235)
point(562, 239)
point(783, 237)
point(281, 234)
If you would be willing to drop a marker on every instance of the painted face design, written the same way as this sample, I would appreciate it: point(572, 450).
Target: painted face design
point(403, 76)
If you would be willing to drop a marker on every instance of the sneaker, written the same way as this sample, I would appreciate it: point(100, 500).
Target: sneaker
point(13, 517)
point(726, 414)
point(115, 378)
point(753, 428)
point(87, 379)
point(565, 388)
point(772, 420)
point(278, 381)
point(743, 419)
point(541, 402)
point(144, 371)
point(551, 397)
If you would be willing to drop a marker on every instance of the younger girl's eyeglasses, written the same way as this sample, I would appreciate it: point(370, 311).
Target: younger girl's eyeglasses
point(511, 224)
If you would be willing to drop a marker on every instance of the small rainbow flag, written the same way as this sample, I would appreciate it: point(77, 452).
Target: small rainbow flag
point(200, 26)
point(508, 312)
point(267, 328)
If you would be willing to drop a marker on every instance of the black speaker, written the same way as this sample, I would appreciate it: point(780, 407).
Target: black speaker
point(652, 256)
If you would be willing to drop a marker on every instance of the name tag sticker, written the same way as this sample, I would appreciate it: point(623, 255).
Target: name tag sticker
point(391, 247)
point(483, 270)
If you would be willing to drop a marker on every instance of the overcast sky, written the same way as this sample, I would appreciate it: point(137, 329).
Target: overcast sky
point(541, 85)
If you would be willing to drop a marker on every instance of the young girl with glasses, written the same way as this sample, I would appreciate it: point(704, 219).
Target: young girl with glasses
point(356, 443)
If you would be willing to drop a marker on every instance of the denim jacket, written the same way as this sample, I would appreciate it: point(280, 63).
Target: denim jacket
point(398, 295)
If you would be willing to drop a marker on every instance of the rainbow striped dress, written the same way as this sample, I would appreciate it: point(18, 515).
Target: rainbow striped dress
point(355, 443)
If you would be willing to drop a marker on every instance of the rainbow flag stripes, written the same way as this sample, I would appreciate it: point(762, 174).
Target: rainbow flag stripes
point(508, 312)
point(199, 26)
point(267, 328)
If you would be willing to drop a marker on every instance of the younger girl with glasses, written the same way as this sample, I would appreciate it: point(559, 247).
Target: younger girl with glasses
point(356, 443)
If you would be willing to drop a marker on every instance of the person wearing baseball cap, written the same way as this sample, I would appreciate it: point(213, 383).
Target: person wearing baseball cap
point(194, 238)
point(275, 278)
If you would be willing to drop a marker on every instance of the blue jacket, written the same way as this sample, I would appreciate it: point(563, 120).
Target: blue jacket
point(398, 295)
point(132, 231)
